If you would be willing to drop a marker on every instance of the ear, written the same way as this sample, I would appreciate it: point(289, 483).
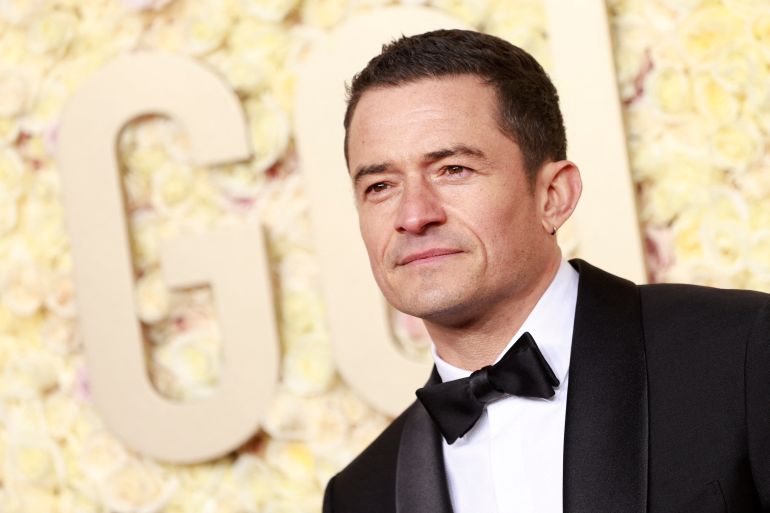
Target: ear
point(558, 189)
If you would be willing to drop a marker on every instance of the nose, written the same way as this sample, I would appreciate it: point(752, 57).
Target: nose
point(420, 207)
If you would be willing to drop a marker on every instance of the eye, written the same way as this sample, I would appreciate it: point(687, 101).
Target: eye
point(376, 188)
point(456, 170)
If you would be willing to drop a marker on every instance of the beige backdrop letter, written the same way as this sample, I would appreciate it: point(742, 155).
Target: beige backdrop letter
point(364, 348)
point(231, 261)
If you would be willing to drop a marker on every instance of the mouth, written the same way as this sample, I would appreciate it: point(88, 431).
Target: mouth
point(430, 255)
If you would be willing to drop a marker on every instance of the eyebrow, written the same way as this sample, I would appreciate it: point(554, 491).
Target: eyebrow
point(457, 149)
point(372, 169)
point(432, 156)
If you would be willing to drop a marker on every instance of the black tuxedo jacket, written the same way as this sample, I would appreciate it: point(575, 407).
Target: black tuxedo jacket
point(668, 410)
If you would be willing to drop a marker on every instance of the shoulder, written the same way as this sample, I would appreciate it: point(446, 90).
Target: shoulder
point(706, 331)
point(370, 479)
point(685, 304)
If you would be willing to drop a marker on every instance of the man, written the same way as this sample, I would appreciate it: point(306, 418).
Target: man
point(604, 396)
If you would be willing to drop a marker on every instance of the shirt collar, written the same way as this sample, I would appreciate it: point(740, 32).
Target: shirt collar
point(550, 323)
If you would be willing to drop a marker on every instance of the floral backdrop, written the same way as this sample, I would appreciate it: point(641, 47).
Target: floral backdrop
point(693, 77)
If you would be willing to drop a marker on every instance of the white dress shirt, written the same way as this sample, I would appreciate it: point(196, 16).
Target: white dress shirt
point(511, 460)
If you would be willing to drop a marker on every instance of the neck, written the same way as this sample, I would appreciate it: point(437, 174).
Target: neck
point(478, 342)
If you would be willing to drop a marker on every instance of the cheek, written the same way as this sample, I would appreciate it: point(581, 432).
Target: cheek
point(374, 237)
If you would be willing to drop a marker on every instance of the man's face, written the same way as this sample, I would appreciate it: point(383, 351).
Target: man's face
point(451, 226)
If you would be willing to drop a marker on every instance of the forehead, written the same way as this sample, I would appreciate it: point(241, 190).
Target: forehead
point(420, 116)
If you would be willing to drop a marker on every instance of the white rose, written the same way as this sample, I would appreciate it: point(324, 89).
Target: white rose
point(253, 479)
point(302, 312)
point(329, 428)
point(51, 31)
point(205, 27)
point(60, 413)
point(323, 13)
point(293, 459)
point(714, 101)
point(265, 45)
point(244, 74)
point(737, 68)
point(670, 90)
point(287, 418)
point(145, 5)
point(21, 289)
point(9, 131)
point(27, 498)
point(137, 487)
point(760, 29)
point(736, 145)
point(470, 12)
point(60, 297)
point(172, 185)
point(709, 29)
point(8, 211)
point(46, 107)
point(269, 129)
point(12, 175)
point(193, 359)
point(32, 458)
point(31, 373)
point(308, 366)
point(59, 335)
point(683, 180)
point(268, 10)
point(16, 91)
point(145, 233)
point(101, 455)
point(524, 26)
point(152, 297)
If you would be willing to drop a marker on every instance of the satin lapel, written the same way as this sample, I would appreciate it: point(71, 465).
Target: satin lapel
point(606, 429)
point(421, 485)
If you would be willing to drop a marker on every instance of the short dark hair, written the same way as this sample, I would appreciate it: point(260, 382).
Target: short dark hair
point(528, 102)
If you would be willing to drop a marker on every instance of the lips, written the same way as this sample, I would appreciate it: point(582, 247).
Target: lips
point(427, 255)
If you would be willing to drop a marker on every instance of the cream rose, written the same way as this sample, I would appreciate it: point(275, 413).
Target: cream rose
point(308, 366)
point(101, 455)
point(59, 335)
point(16, 91)
point(709, 29)
point(293, 459)
point(31, 373)
point(12, 175)
point(32, 458)
point(269, 128)
point(470, 12)
point(152, 297)
point(323, 13)
point(137, 487)
point(670, 89)
point(287, 418)
point(760, 29)
point(714, 101)
point(22, 288)
point(60, 296)
point(736, 145)
point(205, 27)
point(51, 31)
point(8, 211)
point(171, 186)
point(193, 359)
point(268, 10)
point(145, 5)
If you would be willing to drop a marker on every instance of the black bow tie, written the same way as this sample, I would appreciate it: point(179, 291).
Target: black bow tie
point(456, 405)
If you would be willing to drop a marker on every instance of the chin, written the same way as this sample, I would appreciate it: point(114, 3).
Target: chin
point(436, 307)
